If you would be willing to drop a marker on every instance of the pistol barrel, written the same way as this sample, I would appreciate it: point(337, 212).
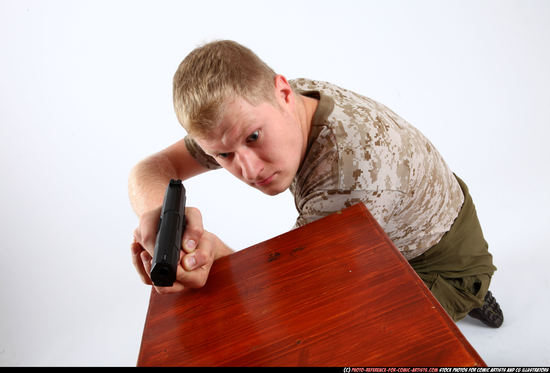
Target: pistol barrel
point(170, 231)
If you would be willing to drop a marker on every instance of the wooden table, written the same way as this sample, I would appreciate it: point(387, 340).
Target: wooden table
point(335, 292)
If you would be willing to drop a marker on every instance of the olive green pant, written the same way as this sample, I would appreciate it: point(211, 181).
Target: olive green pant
point(458, 269)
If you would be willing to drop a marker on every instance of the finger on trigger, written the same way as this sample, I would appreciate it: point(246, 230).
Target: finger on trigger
point(139, 264)
point(136, 235)
point(136, 248)
point(146, 260)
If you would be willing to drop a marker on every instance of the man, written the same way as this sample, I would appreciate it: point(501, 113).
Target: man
point(333, 148)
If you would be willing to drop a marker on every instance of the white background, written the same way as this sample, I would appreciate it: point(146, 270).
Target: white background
point(85, 92)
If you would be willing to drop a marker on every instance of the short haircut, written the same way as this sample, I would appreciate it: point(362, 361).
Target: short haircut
point(213, 74)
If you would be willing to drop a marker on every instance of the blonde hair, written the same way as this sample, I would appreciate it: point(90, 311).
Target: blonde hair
point(210, 76)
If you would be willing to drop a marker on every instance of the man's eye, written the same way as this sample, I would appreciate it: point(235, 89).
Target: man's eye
point(223, 155)
point(253, 137)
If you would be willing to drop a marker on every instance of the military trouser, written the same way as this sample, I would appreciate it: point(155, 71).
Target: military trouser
point(459, 267)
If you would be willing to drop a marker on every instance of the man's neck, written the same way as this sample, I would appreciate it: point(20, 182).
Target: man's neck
point(308, 107)
point(306, 111)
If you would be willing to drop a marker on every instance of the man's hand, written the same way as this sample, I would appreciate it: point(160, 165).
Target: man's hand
point(200, 249)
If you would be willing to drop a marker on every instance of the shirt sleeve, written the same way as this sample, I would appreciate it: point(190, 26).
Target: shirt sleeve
point(196, 152)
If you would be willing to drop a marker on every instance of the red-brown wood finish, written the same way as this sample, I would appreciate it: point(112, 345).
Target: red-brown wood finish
point(335, 292)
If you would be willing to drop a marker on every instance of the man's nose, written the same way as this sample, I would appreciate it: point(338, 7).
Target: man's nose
point(250, 164)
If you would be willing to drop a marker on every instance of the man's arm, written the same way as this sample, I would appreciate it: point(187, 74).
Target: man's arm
point(148, 179)
point(146, 187)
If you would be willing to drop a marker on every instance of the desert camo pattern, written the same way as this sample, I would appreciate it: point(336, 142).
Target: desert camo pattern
point(364, 152)
point(196, 151)
point(361, 151)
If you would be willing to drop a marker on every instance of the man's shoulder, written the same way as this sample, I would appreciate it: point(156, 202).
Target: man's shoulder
point(350, 117)
point(347, 106)
point(368, 139)
point(336, 91)
point(305, 84)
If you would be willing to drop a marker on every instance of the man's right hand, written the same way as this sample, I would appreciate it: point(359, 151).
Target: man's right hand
point(200, 249)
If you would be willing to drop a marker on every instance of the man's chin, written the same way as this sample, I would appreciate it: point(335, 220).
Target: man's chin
point(271, 190)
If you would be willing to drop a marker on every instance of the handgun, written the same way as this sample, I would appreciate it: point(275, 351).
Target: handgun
point(169, 234)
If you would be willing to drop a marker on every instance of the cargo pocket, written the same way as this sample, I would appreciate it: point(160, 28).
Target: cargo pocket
point(461, 295)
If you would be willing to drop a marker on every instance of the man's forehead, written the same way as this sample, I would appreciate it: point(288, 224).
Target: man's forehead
point(234, 124)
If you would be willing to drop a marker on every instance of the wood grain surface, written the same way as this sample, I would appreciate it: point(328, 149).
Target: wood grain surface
point(335, 292)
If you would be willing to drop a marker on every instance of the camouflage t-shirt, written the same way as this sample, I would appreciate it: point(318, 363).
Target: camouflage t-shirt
point(361, 151)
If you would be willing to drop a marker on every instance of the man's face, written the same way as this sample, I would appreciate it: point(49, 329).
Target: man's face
point(261, 145)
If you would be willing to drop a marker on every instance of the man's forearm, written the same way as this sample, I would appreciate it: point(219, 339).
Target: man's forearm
point(147, 183)
point(221, 249)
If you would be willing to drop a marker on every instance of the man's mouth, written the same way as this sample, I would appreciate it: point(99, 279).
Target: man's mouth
point(266, 181)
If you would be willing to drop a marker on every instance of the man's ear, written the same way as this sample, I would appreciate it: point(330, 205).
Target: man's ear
point(283, 90)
